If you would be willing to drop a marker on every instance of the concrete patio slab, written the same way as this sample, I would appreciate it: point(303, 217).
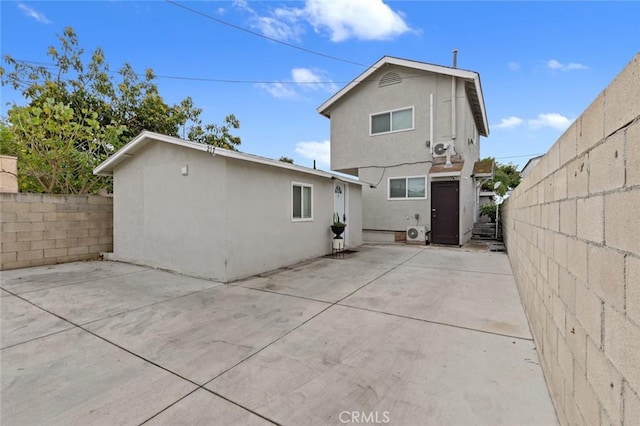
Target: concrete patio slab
point(461, 260)
point(202, 335)
point(4, 293)
point(350, 360)
point(389, 255)
point(21, 322)
point(476, 300)
point(326, 280)
point(47, 277)
point(429, 342)
point(204, 408)
point(74, 378)
point(100, 298)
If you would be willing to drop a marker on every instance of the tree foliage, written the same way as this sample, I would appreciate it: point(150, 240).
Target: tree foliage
point(507, 174)
point(78, 113)
point(286, 159)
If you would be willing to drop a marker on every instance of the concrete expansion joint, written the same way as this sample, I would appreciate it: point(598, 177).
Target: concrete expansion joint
point(330, 305)
point(81, 327)
point(528, 339)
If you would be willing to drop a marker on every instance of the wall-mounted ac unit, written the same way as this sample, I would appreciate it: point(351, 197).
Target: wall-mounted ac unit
point(416, 234)
point(440, 149)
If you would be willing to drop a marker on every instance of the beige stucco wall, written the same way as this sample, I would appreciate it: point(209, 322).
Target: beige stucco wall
point(227, 219)
point(352, 146)
point(353, 150)
point(573, 237)
point(45, 229)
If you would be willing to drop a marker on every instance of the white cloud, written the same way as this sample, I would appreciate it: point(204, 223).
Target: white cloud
point(280, 24)
point(554, 65)
point(554, 120)
point(276, 28)
point(514, 66)
point(575, 66)
point(319, 151)
point(509, 122)
point(303, 78)
point(340, 19)
point(32, 13)
point(360, 19)
point(313, 79)
point(571, 66)
point(278, 90)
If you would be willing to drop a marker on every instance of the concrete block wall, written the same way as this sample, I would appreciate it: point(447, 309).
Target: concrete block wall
point(44, 229)
point(572, 230)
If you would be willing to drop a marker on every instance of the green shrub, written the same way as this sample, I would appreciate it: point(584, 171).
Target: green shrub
point(489, 210)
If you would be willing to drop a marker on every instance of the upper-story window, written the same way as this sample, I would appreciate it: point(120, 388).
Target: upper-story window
point(392, 121)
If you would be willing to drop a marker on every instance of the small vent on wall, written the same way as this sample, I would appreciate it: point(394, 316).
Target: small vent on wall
point(390, 78)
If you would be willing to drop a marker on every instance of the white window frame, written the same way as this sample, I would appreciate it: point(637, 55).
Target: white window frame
point(406, 178)
point(302, 186)
point(390, 112)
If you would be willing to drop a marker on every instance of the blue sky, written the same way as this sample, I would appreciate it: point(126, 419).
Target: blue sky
point(541, 63)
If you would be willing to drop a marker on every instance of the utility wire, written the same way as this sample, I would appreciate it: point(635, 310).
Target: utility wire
point(239, 28)
point(52, 66)
point(206, 79)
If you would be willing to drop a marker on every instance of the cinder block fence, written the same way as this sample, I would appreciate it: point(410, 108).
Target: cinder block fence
point(572, 230)
point(43, 229)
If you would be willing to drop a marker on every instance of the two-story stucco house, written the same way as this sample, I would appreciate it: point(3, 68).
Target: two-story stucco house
point(396, 127)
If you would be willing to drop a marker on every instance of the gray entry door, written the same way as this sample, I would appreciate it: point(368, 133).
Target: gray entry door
point(445, 206)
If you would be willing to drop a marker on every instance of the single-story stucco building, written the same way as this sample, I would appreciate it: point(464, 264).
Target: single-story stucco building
point(221, 214)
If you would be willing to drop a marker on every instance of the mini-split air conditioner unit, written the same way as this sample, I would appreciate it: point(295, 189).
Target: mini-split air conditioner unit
point(416, 234)
point(440, 149)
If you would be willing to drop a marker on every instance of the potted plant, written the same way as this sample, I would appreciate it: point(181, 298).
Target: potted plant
point(337, 227)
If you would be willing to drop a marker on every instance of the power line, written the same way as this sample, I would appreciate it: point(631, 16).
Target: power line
point(239, 28)
point(206, 79)
point(223, 80)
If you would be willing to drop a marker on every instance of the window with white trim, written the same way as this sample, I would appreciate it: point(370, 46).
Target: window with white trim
point(301, 202)
point(392, 121)
point(408, 188)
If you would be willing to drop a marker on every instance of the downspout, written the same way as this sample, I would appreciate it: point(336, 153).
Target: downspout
point(453, 97)
point(431, 141)
point(453, 136)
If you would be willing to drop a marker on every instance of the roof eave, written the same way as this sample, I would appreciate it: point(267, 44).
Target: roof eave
point(473, 76)
point(127, 151)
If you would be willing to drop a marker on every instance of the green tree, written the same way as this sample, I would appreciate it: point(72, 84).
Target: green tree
point(507, 174)
point(77, 113)
point(50, 160)
point(286, 159)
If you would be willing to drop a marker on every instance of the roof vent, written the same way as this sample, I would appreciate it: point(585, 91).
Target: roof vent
point(390, 78)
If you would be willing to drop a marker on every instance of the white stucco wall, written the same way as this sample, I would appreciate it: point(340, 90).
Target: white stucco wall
point(227, 219)
point(393, 215)
point(262, 236)
point(164, 219)
point(377, 158)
